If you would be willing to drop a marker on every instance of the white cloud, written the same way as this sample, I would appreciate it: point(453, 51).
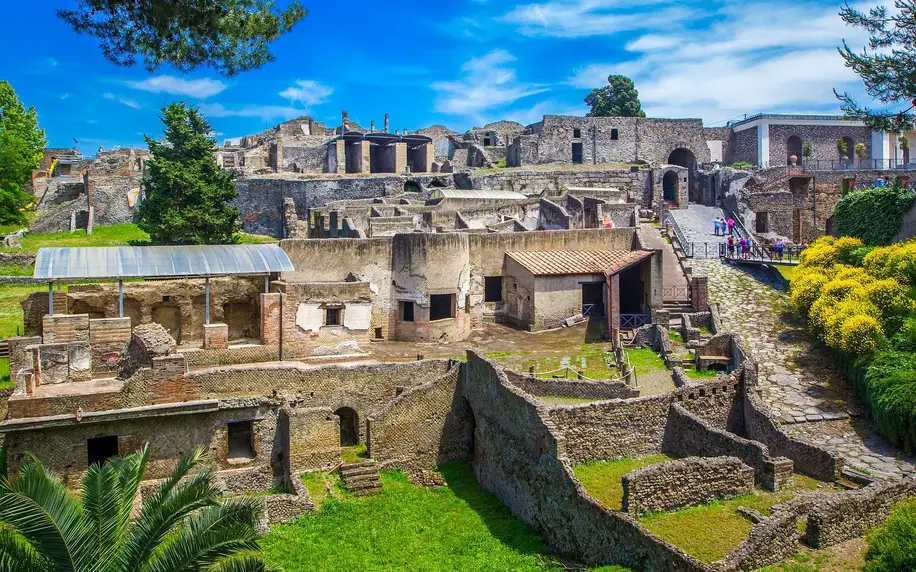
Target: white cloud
point(197, 88)
point(264, 112)
point(486, 83)
point(122, 100)
point(580, 18)
point(307, 92)
point(752, 58)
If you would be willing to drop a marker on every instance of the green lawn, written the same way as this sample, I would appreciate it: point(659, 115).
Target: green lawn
point(709, 532)
point(602, 479)
point(460, 527)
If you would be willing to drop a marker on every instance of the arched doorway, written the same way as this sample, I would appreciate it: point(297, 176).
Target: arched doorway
point(669, 187)
point(684, 157)
point(349, 426)
point(793, 147)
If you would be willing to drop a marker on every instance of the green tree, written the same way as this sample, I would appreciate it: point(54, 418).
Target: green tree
point(21, 144)
point(185, 525)
point(617, 99)
point(886, 65)
point(230, 36)
point(187, 193)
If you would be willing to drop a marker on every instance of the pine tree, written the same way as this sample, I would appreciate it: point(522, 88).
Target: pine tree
point(230, 36)
point(187, 193)
point(21, 144)
point(617, 99)
point(887, 66)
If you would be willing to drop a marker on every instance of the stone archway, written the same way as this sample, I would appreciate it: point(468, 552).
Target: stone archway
point(793, 147)
point(684, 157)
point(349, 426)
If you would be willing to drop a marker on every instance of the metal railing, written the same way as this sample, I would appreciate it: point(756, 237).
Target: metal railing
point(633, 321)
point(757, 253)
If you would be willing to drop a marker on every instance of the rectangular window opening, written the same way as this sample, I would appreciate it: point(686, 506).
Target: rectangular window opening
point(100, 449)
point(613, 135)
point(241, 440)
point(493, 289)
point(407, 311)
point(332, 317)
point(441, 307)
point(577, 133)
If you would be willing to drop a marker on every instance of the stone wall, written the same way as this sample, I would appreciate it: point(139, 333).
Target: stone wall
point(684, 483)
point(426, 426)
point(636, 427)
point(540, 387)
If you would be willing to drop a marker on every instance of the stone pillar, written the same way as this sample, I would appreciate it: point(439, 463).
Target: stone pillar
point(613, 302)
point(699, 293)
point(400, 157)
point(271, 326)
point(216, 336)
point(365, 158)
point(341, 149)
point(386, 123)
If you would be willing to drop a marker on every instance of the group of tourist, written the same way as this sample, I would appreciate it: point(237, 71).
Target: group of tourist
point(721, 227)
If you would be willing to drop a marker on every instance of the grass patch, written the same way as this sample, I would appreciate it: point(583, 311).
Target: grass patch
point(709, 532)
point(460, 527)
point(645, 359)
point(694, 373)
point(602, 478)
point(15, 270)
point(354, 454)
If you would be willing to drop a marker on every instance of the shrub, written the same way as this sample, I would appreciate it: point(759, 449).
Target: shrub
point(845, 246)
point(860, 335)
point(892, 546)
point(873, 215)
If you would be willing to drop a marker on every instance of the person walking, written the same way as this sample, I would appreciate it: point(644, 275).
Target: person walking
point(731, 226)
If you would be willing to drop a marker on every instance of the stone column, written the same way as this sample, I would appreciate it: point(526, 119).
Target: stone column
point(400, 157)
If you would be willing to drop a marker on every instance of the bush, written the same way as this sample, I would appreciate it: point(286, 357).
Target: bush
point(892, 546)
point(872, 215)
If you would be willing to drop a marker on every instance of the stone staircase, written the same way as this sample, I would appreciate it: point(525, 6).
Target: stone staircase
point(360, 478)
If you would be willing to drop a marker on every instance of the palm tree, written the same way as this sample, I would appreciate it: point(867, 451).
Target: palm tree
point(183, 526)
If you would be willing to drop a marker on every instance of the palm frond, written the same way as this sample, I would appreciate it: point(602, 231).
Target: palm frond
point(209, 536)
point(48, 517)
point(18, 555)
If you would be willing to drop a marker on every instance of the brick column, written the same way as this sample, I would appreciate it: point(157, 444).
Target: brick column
point(699, 293)
point(216, 336)
point(271, 323)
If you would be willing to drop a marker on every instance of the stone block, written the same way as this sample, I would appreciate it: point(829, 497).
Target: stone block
point(216, 336)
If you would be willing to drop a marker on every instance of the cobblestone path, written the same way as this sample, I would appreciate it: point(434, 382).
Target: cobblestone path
point(800, 384)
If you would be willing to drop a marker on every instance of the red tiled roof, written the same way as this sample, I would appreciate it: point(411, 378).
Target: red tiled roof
point(557, 262)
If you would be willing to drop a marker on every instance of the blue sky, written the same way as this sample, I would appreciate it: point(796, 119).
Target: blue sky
point(462, 63)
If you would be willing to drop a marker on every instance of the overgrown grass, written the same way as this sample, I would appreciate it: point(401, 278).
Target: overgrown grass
point(709, 532)
point(15, 270)
point(602, 478)
point(460, 527)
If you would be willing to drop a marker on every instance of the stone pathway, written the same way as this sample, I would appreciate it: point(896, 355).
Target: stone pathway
point(801, 385)
point(672, 274)
point(696, 223)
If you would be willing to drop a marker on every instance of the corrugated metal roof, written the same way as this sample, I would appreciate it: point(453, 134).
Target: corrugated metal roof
point(558, 262)
point(476, 194)
point(159, 261)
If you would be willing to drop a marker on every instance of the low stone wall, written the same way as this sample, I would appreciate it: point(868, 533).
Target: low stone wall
point(571, 388)
point(851, 514)
point(684, 483)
